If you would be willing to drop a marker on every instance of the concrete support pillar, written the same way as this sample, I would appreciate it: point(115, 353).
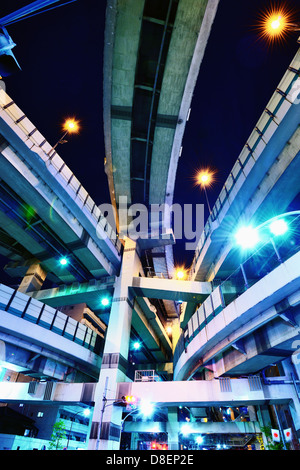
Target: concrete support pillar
point(106, 426)
point(176, 332)
point(172, 429)
point(33, 279)
point(264, 419)
point(134, 441)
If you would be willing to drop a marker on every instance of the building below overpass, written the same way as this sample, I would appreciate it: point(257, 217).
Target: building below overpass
point(224, 382)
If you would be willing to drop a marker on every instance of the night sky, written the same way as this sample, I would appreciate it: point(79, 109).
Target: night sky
point(61, 55)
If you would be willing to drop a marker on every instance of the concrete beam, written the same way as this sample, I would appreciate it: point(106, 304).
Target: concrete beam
point(89, 293)
point(204, 393)
point(190, 393)
point(30, 337)
point(170, 289)
point(237, 427)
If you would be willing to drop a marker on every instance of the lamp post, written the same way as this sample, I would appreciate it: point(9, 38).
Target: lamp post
point(71, 126)
point(145, 409)
point(86, 413)
point(180, 273)
point(204, 179)
point(248, 237)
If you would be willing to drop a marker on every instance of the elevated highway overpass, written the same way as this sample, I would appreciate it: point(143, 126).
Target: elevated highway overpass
point(229, 328)
point(43, 342)
point(263, 182)
point(235, 392)
point(147, 99)
point(45, 213)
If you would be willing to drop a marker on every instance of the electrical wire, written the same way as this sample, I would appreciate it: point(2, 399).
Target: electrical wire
point(26, 16)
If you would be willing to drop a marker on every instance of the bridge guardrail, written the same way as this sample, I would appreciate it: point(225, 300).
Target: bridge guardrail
point(34, 311)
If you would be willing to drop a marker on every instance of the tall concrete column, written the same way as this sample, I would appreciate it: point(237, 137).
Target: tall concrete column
point(264, 419)
point(176, 332)
point(106, 426)
point(172, 429)
point(33, 279)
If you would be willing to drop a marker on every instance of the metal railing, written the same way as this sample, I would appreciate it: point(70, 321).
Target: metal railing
point(145, 376)
point(30, 309)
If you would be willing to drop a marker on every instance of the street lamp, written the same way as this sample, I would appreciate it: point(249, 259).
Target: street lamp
point(146, 408)
point(248, 237)
point(70, 126)
point(86, 412)
point(205, 178)
point(276, 23)
point(180, 274)
point(63, 261)
point(185, 429)
point(105, 302)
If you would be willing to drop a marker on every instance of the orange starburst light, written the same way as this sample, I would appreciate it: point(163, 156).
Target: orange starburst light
point(180, 274)
point(205, 177)
point(275, 24)
point(71, 126)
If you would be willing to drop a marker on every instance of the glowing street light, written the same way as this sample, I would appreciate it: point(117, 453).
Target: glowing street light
point(205, 178)
point(63, 261)
point(137, 345)
point(105, 302)
point(186, 429)
point(180, 274)
point(169, 330)
point(199, 440)
point(247, 237)
point(278, 227)
point(146, 408)
point(70, 126)
point(276, 23)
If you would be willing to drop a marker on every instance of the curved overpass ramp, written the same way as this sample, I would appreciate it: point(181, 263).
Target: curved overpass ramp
point(147, 96)
point(45, 212)
point(260, 326)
